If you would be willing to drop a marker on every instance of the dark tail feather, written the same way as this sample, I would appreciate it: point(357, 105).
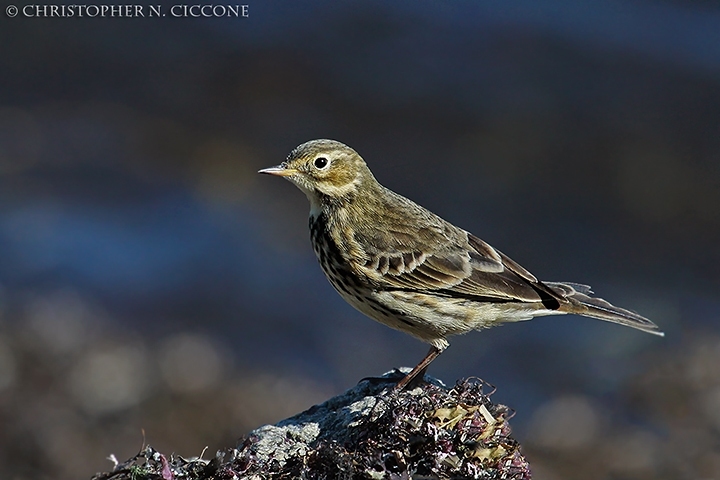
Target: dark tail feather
point(581, 303)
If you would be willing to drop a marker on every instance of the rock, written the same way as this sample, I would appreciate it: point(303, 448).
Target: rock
point(370, 431)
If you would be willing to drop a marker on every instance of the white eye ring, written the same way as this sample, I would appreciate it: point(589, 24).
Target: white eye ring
point(321, 162)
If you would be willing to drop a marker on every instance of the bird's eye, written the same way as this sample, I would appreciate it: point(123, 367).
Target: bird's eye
point(321, 162)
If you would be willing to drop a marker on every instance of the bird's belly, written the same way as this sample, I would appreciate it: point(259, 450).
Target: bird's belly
point(398, 316)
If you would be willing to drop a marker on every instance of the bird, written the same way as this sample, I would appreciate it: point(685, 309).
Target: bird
point(406, 267)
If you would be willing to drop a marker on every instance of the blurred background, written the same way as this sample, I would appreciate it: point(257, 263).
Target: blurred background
point(154, 288)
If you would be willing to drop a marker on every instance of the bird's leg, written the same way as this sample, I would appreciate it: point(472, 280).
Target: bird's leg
point(420, 368)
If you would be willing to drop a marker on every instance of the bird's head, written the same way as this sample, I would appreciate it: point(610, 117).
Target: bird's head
point(324, 169)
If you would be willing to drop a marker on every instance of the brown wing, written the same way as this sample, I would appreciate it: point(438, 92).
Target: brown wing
point(459, 265)
point(410, 248)
point(507, 281)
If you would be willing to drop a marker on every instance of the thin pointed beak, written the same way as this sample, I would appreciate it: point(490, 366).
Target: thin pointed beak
point(279, 171)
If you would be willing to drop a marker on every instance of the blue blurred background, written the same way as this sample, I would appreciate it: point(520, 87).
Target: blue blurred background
point(149, 279)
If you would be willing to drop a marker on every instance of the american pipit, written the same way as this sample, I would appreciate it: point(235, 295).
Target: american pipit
point(409, 269)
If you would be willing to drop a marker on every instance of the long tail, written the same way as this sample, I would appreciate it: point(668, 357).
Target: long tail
point(580, 302)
